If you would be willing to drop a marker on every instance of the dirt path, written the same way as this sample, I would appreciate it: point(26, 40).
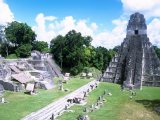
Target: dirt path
point(55, 108)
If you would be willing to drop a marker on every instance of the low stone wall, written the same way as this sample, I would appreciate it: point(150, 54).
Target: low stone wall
point(10, 86)
point(152, 81)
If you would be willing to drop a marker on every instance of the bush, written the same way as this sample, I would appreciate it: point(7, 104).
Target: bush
point(11, 56)
point(24, 50)
point(77, 69)
point(96, 73)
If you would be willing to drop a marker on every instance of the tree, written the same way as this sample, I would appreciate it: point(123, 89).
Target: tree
point(3, 42)
point(19, 35)
point(24, 50)
point(157, 50)
point(56, 46)
point(40, 46)
point(101, 57)
point(117, 48)
point(4, 48)
point(73, 52)
point(1, 34)
point(69, 51)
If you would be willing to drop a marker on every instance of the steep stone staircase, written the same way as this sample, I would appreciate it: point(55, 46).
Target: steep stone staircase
point(54, 68)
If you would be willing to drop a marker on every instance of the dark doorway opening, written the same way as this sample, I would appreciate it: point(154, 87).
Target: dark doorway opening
point(136, 32)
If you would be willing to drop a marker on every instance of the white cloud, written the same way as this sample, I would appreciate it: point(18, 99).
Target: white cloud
point(84, 28)
point(154, 32)
point(94, 26)
point(41, 30)
point(105, 38)
point(110, 39)
point(55, 27)
point(150, 8)
point(5, 13)
point(67, 24)
point(49, 27)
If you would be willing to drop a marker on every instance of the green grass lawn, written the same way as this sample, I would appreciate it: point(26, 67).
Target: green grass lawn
point(119, 106)
point(12, 56)
point(21, 104)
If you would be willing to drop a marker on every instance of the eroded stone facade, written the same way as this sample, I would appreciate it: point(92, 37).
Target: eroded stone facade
point(39, 69)
point(136, 62)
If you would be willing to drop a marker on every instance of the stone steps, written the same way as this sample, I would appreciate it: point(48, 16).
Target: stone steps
point(135, 59)
point(54, 67)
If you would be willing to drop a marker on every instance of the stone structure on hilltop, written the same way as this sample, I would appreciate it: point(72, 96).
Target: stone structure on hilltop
point(136, 62)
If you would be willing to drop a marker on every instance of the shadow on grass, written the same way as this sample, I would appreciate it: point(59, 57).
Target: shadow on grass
point(153, 105)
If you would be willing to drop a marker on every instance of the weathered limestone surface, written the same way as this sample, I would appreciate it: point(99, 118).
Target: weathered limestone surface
point(136, 63)
point(1, 90)
point(40, 68)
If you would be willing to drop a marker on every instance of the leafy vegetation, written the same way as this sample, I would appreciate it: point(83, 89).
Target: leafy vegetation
point(70, 51)
point(24, 50)
point(1, 34)
point(40, 46)
point(20, 104)
point(96, 73)
point(119, 106)
point(73, 52)
point(18, 37)
point(157, 50)
point(11, 56)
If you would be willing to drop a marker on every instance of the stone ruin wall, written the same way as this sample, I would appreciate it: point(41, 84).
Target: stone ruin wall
point(41, 67)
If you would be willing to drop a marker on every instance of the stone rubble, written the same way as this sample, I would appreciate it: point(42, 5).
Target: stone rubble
point(15, 74)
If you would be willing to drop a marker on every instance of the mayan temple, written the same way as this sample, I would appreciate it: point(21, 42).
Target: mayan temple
point(136, 62)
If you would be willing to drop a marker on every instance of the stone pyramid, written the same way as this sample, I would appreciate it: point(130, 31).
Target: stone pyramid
point(136, 62)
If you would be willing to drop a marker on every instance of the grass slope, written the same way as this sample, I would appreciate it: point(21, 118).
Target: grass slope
point(119, 106)
point(21, 104)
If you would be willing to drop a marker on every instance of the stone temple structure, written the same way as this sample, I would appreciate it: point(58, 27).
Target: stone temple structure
point(36, 71)
point(136, 62)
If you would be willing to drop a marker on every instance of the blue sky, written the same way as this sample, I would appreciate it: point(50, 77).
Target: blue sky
point(100, 11)
point(104, 20)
